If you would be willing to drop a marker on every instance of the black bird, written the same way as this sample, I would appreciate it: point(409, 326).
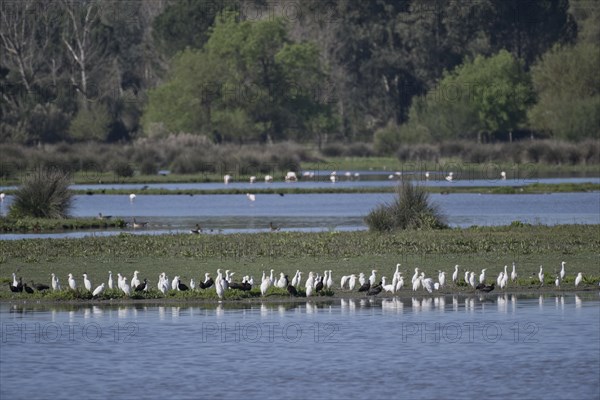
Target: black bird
point(375, 290)
point(480, 286)
point(292, 291)
point(27, 288)
point(246, 286)
point(197, 230)
point(14, 289)
point(20, 285)
point(207, 284)
point(365, 287)
point(103, 217)
point(281, 194)
point(319, 286)
point(39, 286)
point(182, 286)
point(141, 286)
point(487, 289)
point(235, 285)
point(273, 227)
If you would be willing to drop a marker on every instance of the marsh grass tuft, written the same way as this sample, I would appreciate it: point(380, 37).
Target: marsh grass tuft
point(43, 194)
point(411, 209)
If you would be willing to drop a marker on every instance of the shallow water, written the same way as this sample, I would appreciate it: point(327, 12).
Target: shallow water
point(499, 346)
point(321, 212)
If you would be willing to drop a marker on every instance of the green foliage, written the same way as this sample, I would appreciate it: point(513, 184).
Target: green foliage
point(568, 86)
point(123, 169)
point(43, 194)
point(410, 210)
point(91, 123)
point(249, 82)
point(387, 140)
point(488, 94)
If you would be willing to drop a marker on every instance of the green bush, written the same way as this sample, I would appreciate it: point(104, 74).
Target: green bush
point(123, 169)
point(411, 209)
point(43, 194)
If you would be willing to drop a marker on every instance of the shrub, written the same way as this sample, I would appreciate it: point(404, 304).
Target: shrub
point(123, 169)
point(411, 209)
point(43, 194)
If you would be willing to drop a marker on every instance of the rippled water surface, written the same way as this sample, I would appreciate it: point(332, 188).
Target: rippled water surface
point(500, 346)
point(314, 212)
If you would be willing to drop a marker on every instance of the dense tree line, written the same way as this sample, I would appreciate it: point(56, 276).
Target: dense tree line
point(388, 71)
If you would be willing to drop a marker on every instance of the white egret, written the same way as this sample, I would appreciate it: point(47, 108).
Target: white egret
point(482, 276)
point(299, 281)
point(227, 179)
point(416, 284)
point(268, 179)
point(125, 287)
point(98, 290)
point(135, 281)
point(252, 179)
point(372, 277)
point(562, 270)
point(541, 275)
point(192, 284)
point(54, 281)
point(400, 283)
point(281, 283)
point(387, 287)
point(557, 281)
point(119, 280)
point(415, 276)
point(361, 279)
point(57, 283)
point(503, 175)
point(442, 278)
point(343, 281)
point(251, 196)
point(132, 197)
point(264, 286)
point(427, 175)
point(472, 279)
point(450, 176)
point(352, 282)
point(578, 279)
point(455, 274)
point(329, 281)
point(175, 283)
point(110, 280)
point(219, 288)
point(513, 274)
point(87, 283)
point(467, 274)
point(72, 283)
point(15, 281)
point(499, 278)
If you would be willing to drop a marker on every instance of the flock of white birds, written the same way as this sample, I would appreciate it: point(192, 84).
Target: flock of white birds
point(313, 284)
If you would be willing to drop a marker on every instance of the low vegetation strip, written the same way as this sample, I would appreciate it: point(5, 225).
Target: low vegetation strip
point(513, 189)
point(190, 256)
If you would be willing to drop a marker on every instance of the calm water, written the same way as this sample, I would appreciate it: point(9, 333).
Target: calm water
point(500, 346)
point(313, 212)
